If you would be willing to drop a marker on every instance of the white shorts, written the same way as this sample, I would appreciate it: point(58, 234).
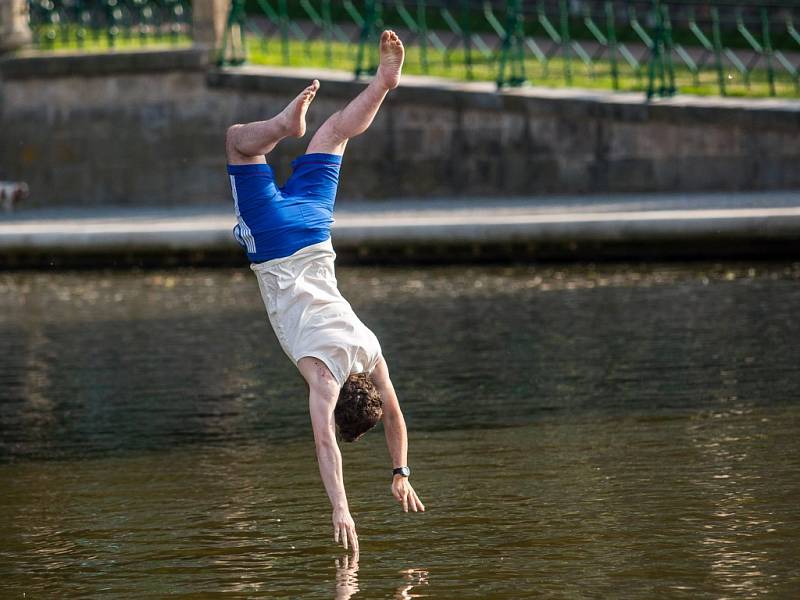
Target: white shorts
point(309, 315)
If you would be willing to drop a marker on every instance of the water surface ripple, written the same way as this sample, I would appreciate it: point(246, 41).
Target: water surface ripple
point(620, 431)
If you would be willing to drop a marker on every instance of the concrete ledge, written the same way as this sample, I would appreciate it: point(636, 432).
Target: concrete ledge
point(37, 65)
point(449, 93)
point(444, 231)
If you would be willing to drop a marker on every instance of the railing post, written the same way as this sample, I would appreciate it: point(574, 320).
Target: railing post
point(717, 38)
point(511, 50)
point(566, 50)
point(327, 31)
point(611, 36)
point(518, 58)
point(655, 54)
point(422, 24)
point(366, 63)
point(232, 50)
point(14, 29)
point(209, 18)
point(768, 53)
point(661, 76)
point(283, 12)
point(466, 29)
point(668, 47)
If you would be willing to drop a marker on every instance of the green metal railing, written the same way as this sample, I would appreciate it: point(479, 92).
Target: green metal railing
point(727, 47)
point(82, 24)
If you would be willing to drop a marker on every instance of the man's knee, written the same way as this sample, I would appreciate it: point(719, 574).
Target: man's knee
point(231, 136)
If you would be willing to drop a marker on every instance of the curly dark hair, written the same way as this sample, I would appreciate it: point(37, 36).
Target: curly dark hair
point(359, 407)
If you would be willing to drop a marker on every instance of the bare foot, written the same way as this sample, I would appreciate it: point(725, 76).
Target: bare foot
point(392, 54)
point(294, 115)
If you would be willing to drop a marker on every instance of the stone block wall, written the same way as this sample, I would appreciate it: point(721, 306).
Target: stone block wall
point(147, 129)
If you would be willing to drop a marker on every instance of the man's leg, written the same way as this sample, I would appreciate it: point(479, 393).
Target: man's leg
point(356, 117)
point(247, 144)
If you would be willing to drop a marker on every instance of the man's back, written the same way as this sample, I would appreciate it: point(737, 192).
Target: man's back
point(310, 316)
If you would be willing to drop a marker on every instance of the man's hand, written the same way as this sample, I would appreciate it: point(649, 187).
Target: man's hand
point(345, 527)
point(405, 494)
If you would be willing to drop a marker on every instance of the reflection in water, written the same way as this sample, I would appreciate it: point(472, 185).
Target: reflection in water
point(347, 580)
point(619, 432)
point(346, 577)
point(735, 516)
point(415, 578)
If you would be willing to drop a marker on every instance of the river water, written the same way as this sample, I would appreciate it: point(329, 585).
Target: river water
point(621, 431)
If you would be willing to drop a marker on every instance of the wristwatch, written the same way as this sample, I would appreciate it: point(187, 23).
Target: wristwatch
point(404, 471)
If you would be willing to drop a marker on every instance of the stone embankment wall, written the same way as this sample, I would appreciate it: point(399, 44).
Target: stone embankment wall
point(147, 129)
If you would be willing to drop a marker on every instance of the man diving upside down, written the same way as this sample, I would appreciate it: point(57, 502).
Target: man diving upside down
point(286, 233)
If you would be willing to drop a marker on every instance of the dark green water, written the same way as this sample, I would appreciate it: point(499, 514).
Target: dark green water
point(577, 432)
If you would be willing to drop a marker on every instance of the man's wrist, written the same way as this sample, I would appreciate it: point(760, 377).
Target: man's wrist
point(401, 471)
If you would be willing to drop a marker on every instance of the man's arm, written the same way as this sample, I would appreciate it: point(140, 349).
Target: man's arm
point(396, 438)
point(323, 393)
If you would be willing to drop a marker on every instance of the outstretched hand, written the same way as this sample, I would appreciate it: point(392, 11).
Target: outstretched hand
point(344, 528)
point(405, 495)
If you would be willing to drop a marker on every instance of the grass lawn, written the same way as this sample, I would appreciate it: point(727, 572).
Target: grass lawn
point(67, 40)
point(556, 72)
